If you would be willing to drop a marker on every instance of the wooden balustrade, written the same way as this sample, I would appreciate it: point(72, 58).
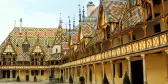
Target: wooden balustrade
point(148, 43)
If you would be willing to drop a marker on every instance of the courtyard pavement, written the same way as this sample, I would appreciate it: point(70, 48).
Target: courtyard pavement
point(32, 83)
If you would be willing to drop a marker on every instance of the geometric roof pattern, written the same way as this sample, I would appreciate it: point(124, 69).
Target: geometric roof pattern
point(88, 30)
point(114, 9)
point(44, 36)
point(88, 27)
point(74, 38)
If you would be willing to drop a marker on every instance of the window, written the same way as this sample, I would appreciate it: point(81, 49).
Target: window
point(133, 37)
point(108, 32)
point(120, 70)
point(56, 50)
point(157, 28)
point(25, 47)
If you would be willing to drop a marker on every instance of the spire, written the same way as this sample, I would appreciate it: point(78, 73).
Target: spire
point(79, 13)
point(69, 32)
point(37, 37)
point(20, 25)
point(74, 23)
point(26, 35)
point(83, 13)
point(69, 23)
point(60, 22)
point(66, 27)
point(14, 23)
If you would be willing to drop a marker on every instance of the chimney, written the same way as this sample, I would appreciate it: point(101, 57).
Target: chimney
point(90, 8)
point(20, 25)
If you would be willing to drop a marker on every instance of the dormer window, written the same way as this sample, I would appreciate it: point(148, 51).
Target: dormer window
point(26, 47)
point(56, 50)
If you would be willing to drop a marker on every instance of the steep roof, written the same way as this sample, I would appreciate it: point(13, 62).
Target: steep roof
point(88, 28)
point(114, 9)
point(46, 38)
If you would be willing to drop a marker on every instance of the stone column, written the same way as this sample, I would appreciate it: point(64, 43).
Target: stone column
point(76, 75)
point(94, 65)
point(72, 72)
point(0, 74)
point(40, 75)
point(19, 73)
point(88, 74)
point(144, 68)
point(129, 68)
point(63, 73)
point(29, 75)
point(68, 74)
point(11, 75)
point(103, 70)
point(112, 72)
point(81, 71)
point(60, 73)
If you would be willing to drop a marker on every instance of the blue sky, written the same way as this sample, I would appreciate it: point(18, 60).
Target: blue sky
point(37, 13)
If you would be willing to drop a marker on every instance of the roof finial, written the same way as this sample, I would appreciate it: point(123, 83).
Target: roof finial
point(69, 23)
point(74, 22)
point(14, 23)
point(20, 25)
point(69, 31)
point(26, 35)
point(60, 22)
point(79, 13)
point(66, 28)
point(83, 13)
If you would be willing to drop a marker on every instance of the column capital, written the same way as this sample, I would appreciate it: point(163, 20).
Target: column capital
point(111, 61)
point(143, 55)
point(166, 51)
point(128, 58)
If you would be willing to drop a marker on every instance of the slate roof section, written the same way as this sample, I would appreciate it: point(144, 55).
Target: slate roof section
point(114, 9)
point(46, 38)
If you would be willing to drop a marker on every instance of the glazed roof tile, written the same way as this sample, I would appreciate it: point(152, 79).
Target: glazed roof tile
point(47, 37)
point(114, 9)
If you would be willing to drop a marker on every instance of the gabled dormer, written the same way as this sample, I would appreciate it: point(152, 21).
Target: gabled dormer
point(37, 54)
point(8, 54)
point(110, 13)
point(37, 48)
point(8, 47)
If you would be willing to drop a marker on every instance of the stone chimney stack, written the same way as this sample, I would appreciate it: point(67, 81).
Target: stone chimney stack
point(90, 8)
point(20, 30)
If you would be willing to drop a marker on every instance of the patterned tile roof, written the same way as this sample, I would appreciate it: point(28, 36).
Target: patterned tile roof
point(47, 37)
point(74, 38)
point(114, 9)
point(88, 29)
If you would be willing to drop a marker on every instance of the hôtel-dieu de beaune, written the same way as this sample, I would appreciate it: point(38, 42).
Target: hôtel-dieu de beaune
point(117, 41)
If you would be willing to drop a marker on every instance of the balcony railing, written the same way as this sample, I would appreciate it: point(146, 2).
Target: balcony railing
point(148, 43)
